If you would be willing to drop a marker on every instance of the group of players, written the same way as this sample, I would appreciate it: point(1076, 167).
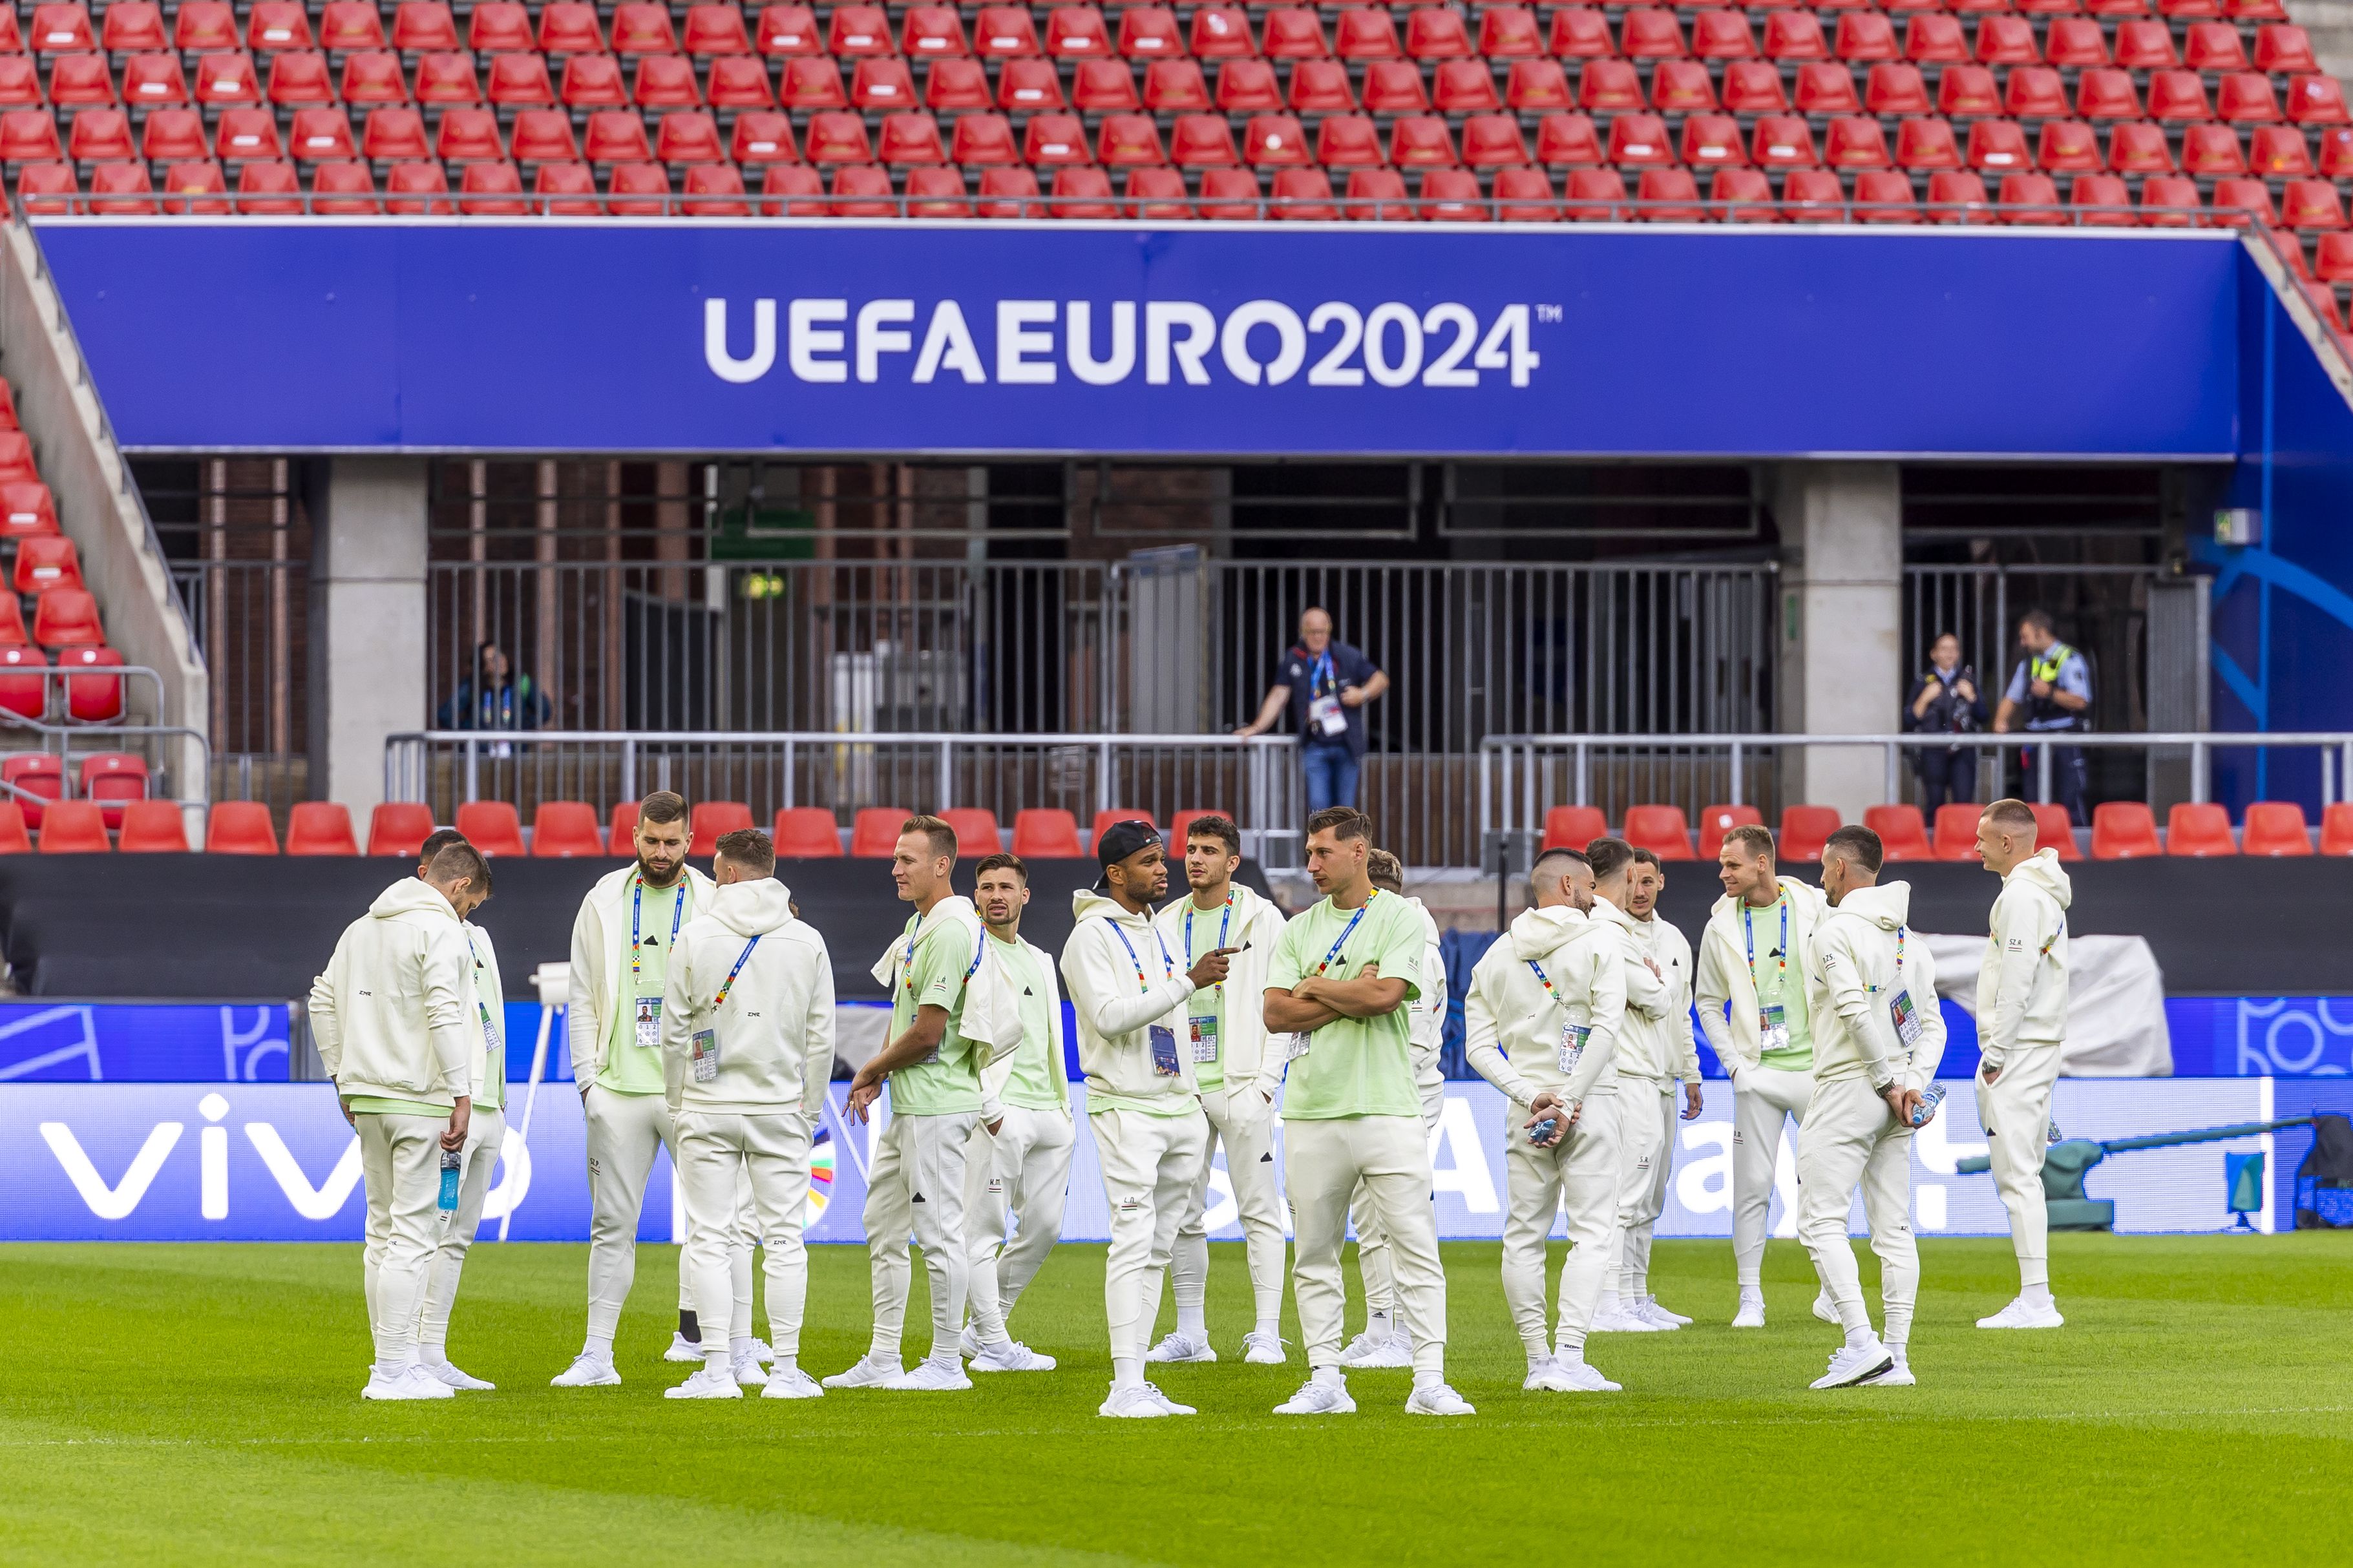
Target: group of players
point(702, 1020)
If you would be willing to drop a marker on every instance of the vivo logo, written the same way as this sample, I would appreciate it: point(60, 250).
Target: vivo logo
point(1262, 343)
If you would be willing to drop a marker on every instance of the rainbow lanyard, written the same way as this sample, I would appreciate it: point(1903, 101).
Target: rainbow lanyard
point(637, 906)
point(1223, 922)
point(1898, 981)
point(1545, 981)
point(907, 959)
point(1167, 964)
point(1748, 925)
point(1347, 931)
point(729, 984)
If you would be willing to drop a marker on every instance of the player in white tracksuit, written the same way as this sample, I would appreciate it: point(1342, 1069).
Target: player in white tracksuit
point(1386, 1341)
point(485, 1136)
point(2022, 1026)
point(1654, 1052)
point(1878, 1037)
point(748, 1049)
point(1752, 1007)
point(1542, 1016)
point(1239, 1070)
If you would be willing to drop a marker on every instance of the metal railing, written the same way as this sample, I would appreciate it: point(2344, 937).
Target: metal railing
point(67, 740)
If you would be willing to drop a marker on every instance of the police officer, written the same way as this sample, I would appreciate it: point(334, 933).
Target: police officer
point(2053, 685)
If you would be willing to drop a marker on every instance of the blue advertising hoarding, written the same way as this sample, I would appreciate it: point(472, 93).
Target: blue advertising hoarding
point(714, 336)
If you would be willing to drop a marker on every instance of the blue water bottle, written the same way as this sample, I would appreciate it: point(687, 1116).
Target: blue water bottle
point(1543, 1131)
point(449, 1201)
point(1933, 1098)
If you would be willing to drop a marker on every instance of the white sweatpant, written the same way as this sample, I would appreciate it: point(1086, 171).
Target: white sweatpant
point(916, 1188)
point(1242, 1120)
point(2015, 1110)
point(623, 1131)
point(1022, 1171)
point(1852, 1138)
point(1150, 1167)
point(486, 1130)
point(1646, 1152)
point(1372, 1248)
point(718, 1154)
point(1760, 1100)
point(400, 1163)
point(1581, 1172)
point(1323, 1162)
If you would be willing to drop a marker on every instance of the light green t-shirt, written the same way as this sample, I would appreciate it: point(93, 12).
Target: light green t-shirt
point(945, 1083)
point(489, 1018)
point(1206, 1013)
point(629, 1068)
point(1037, 1070)
point(1354, 1066)
point(1779, 981)
point(373, 1105)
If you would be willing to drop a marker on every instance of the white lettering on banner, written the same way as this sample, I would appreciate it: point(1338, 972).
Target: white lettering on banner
point(1407, 364)
point(810, 341)
point(1161, 319)
point(1928, 1203)
point(723, 363)
point(1291, 339)
point(513, 1185)
point(1079, 340)
point(1936, 1151)
point(1223, 1209)
point(2276, 1052)
point(947, 345)
point(212, 1148)
point(1703, 1185)
point(321, 1202)
point(115, 1202)
point(1332, 369)
point(874, 342)
point(1466, 1171)
point(1016, 342)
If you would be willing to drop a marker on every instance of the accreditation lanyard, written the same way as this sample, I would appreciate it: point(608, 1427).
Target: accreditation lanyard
point(1748, 928)
point(1573, 1035)
point(1224, 920)
point(637, 908)
point(489, 1031)
point(1167, 964)
point(1319, 675)
point(1347, 931)
point(729, 984)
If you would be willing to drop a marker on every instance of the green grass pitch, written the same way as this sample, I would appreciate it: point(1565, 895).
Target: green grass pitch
point(195, 1403)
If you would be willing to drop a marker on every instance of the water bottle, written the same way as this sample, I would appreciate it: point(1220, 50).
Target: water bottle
point(1543, 1131)
point(1927, 1108)
point(449, 1201)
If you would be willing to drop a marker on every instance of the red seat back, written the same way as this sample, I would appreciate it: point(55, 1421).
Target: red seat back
point(234, 827)
point(1047, 833)
point(399, 827)
point(492, 827)
point(91, 698)
point(1805, 830)
point(564, 829)
point(807, 833)
point(1182, 823)
point(26, 696)
point(40, 775)
point(2276, 828)
point(155, 827)
point(1902, 833)
point(73, 827)
point(1104, 819)
point(1660, 829)
point(1956, 830)
point(1574, 827)
point(45, 561)
point(975, 829)
point(2124, 830)
point(712, 818)
point(874, 831)
point(2198, 828)
point(621, 834)
point(1715, 821)
point(64, 618)
point(320, 827)
point(13, 839)
point(2053, 829)
point(2337, 828)
point(110, 778)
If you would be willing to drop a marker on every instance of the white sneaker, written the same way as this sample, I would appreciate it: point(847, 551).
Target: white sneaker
point(748, 1371)
point(1012, 1356)
point(411, 1382)
point(1825, 1309)
point(1262, 1350)
point(1436, 1399)
point(456, 1379)
point(1181, 1347)
point(1570, 1374)
point(1752, 1310)
point(1898, 1375)
point(1136, 1401)
point(587, 1370)
point(1850, 1365)
point(1621, 1319)
point(760, 1349)
point(708, 1382)
point(1166, 1403)
point(1652, 1310)
point(1364, 1345)
point(791, 1383)
point(1316, 1398)
point(968, 1342)
point(929, 1376)
point(682, 1349)
point(865, 1373)
point(1395, 1352)
point(2023, 1315)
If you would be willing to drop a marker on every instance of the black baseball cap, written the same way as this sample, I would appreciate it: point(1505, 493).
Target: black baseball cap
point(1119, 841)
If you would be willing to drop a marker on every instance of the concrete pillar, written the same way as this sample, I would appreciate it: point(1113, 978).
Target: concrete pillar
point(369, 577)
point(1842, 621)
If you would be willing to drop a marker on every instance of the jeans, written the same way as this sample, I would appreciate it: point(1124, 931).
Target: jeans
point(1331, 769)
point(1945, 775)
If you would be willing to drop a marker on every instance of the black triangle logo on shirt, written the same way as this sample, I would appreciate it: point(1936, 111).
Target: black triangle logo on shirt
point(919, 1197)
point(1027, 991)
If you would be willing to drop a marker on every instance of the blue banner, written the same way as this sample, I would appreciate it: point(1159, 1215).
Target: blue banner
point(1204, 339)
point(92, 1042)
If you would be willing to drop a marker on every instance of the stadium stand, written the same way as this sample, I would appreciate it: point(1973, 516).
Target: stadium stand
point(977, 831)
point(2199, 829)
point(154, 827)
point(1715, 821)
point(399, 827)
point(1660, 829)
point(2124, 830)
point(712, 818)
point(874, 831)
point(492, 827)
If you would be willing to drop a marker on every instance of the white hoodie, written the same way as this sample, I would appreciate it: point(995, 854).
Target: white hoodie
point(1723, 972)
point(1115, 1013)
point(1854, 981)
point(394, 1015)
point(600, 945)
point(1513, 1024)
point(2022, 984)
point(1655, 1044)
point(490, 1062)
point(992, 1022)
point(1427, 1010)
point(775, 1031)
point(1255, 928)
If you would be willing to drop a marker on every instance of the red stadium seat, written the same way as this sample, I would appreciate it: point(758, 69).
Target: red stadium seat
point(622, 836)
point(1103, 87)
point(1903, 836)
point(26, 508)
point(39, 777)
point(1047, 833)
point(492, 827)
point(66, 27)
point(790, 31)
point(2199, 829)
point(2054, 830)
point(712, 818)
point(131, 26)
point(14, 839)
point(1175, 87)
point(231, 828)
point(93, 699)
point(158, 827)
point(564, 829)
point(2124, 830)
point(45, 562)
point(807, 833)
point(874, 831)
point(1956, 830)
point(2337, 828)
point(1004, 32)
point(343, 25)
point(111, 778)
point(975, 826)
point(1303, 195)
point(1715, 821)
point(1150, 32)
point(74, 827)
point(399, 827)
point(1221, 32)
point(320, 827)
point(645, 30)
point(1181, 824)
point(67, 617)
point(1805, 830)
point(25, 695)
point(1660, 829)
point(419, 24)
point(496, 28)
point(2276, 828)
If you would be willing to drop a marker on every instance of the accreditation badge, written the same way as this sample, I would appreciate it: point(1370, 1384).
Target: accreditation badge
point(1907, 1016)
point(1572, 1044)
point(706, 1054)
point(1163, 1051)
point(648, 1023)
point(1204, 1039)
